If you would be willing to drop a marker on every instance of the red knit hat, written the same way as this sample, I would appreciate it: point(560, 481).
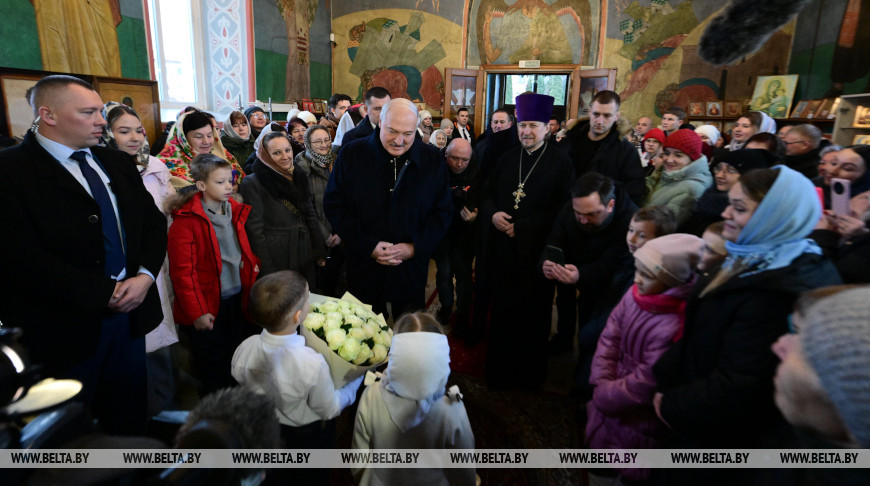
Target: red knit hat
point(655, 133)
point(686, 141)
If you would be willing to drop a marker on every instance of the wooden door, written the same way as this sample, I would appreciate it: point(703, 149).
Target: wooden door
point(464, 88)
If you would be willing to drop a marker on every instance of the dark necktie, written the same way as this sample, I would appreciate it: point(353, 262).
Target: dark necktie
point(115, 260)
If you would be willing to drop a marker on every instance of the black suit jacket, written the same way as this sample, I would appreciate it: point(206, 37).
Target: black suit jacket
point(52, 283)
point(457, 135)
point(362, 130)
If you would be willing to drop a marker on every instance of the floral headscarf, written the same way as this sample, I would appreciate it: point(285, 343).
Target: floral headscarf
point(178, 153)
point(108, 138)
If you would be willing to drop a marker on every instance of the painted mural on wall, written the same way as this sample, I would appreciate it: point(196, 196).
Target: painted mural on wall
point(831, 53)
point(298, 16)
point(552, 31)
point(654, 44)
point(79, 37)
point(404, 51)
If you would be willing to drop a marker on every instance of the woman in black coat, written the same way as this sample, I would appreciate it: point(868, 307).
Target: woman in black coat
point(283, 228)
point(716, 383)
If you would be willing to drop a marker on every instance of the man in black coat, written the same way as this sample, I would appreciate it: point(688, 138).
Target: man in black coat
point(596, 145)
point(84, 242)
point(525, 191)
point(590, 230)
point(388, 200)
point(455, 254)
point(375, 99)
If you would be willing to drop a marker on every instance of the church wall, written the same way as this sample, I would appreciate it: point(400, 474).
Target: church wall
point(271, 50)
point(654, 47)
point(815, 55)
point(20, 42)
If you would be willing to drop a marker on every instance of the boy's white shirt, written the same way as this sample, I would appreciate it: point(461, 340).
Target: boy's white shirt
point(293, 375)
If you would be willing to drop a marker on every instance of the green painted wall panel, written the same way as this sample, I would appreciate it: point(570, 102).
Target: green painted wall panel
point(814, 69)
point(271, 70)
point(134, 48)
point(19, 39)
point(321, 80)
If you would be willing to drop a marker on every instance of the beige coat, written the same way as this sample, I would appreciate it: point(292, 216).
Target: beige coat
point(446, 426)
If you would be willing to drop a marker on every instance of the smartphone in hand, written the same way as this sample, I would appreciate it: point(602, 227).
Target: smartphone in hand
point(841, 191)
point(555, 254)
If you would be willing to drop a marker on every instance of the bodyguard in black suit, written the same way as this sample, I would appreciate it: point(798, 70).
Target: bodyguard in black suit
point(83, 242)
point(375, 99)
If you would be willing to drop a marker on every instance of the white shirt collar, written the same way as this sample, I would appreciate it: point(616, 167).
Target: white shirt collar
point(285, 340)
point(56, 149)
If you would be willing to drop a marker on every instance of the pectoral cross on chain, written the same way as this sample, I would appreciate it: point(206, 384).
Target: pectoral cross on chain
point(518, 194)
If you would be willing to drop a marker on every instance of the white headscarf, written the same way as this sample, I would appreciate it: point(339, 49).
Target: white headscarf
point(416, 376)
point(710, 131)
point(307, 117)
point(344, 125)
point(768, 124)
point(231, 132)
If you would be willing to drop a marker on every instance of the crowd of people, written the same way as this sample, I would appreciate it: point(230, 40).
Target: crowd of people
point(676, 258)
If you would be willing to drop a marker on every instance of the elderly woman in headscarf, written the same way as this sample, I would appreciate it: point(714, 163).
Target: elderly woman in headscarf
point(282, 227)
point(236, 136)
point(723, 367)
point(439, 139)
point(409, 409)
point(124, 131)
point(192, 135)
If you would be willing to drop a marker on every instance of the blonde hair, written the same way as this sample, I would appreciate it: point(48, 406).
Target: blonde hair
point(417, 322)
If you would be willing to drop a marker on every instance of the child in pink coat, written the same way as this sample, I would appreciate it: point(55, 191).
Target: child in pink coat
point(645, 323)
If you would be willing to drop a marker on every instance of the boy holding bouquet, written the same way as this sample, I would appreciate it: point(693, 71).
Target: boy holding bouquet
point(278, 364)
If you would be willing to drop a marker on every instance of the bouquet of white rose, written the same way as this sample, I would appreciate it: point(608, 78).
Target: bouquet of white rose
point(349, 330)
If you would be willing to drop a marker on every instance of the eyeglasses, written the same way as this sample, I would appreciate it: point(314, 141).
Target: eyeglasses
point(728, 168)
point(458, 159)
point(258, 115)
point(324, 141)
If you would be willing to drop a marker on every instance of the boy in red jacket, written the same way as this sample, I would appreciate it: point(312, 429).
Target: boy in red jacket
point(212, 269)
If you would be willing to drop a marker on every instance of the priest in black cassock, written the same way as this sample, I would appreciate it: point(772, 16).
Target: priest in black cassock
point(528, 186)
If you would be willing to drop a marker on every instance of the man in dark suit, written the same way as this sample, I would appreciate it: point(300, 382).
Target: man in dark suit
point(375, 99)
point(463, 129)
point(83, 243)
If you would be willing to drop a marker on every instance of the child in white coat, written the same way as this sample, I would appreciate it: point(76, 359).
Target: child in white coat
point(408, 407)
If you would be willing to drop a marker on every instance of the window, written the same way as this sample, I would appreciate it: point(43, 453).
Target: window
point(555, 85)
point(178, 60)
